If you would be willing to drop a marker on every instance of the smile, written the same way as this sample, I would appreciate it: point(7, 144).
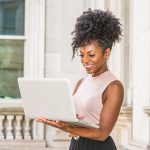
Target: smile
point(88, 66)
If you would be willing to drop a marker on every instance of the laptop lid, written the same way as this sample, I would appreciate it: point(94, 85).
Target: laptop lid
point(50, 98)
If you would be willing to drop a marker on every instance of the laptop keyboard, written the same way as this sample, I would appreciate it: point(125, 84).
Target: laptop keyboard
point(82, 123)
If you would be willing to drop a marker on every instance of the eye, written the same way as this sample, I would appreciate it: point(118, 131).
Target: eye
point(91, 55)
point(81, 55)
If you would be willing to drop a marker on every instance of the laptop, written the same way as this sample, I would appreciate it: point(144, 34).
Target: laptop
point(50, 98)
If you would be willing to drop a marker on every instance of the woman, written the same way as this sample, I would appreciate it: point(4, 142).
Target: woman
point(97, 97)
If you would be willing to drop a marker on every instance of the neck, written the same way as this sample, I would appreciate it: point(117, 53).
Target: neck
point(100, 71)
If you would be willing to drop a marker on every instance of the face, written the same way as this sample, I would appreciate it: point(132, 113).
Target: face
point(93, 59)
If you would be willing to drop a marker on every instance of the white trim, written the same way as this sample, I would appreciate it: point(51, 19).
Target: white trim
point(35, 35)
point(11, 37)
point(10, 103)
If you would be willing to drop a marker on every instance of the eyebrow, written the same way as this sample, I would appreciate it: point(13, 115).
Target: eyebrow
point(88, 51)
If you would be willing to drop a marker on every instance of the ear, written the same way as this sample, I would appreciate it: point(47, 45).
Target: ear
point(107, 53)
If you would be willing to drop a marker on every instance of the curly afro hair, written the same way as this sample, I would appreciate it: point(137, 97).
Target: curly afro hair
point(97, 25)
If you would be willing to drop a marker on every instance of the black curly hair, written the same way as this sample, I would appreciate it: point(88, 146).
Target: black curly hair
point(97, 25)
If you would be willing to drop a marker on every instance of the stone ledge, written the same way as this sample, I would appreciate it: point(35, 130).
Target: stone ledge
point(126, 110)
point(10, 103)
point(11, 111)
point(125, 115)
point(27, 148)
point(22, 143)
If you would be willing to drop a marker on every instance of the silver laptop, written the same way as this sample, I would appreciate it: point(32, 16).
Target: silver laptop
point(50, 98)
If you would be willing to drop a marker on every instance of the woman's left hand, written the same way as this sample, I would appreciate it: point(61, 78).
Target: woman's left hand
point(57, 124)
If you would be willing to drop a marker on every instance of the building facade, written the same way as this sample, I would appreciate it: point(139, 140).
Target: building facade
point(40, 41)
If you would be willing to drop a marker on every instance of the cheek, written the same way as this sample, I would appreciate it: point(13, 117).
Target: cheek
point(100, 61)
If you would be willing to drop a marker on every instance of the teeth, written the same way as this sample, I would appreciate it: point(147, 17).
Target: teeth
point(88, 66)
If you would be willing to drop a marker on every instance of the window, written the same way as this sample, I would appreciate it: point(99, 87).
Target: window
point(11, 67)
point(11, 46)
point(12, 17)
point(22, 38)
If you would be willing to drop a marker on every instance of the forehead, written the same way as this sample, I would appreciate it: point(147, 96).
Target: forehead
point(92, 47)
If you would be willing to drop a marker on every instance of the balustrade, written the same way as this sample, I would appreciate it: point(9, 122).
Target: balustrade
point(14, 125)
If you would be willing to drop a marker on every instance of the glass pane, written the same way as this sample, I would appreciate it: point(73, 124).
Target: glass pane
point(11, 67)
point(11, 17)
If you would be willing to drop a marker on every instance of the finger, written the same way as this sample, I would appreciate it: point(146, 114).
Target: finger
point(45, 121)
point(56, 124)
point(37, 119)
point(80, 116)
point(48, 121)
point(40, 120)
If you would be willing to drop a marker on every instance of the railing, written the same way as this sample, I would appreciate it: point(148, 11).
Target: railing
point(14, 127)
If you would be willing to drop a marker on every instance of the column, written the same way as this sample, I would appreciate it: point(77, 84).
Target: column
point(120, 64)
point(141, 70)
point(127, 51)
point(35, 34)
point(117, 63)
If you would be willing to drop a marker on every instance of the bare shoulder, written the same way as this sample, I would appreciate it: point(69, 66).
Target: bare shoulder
point(116, 85)
point(77, 85)
point(115, 91)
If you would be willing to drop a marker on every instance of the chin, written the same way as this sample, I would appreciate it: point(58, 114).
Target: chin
point(89, 72)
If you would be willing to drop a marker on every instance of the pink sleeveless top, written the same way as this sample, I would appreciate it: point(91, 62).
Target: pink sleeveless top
point(88, 98)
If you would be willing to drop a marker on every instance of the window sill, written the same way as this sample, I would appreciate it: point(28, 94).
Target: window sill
point(11, 103)
point(10, 37)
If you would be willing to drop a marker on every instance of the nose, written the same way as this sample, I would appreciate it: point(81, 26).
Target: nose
point(85, 59)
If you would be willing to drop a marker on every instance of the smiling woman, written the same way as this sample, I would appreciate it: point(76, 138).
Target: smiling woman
point(98, 96)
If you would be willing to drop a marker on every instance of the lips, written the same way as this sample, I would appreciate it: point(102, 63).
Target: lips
point(88, 66)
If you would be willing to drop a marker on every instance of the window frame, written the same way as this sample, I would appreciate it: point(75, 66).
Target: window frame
point(34, 42)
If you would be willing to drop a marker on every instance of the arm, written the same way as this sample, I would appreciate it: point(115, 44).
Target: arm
point(113, 100)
